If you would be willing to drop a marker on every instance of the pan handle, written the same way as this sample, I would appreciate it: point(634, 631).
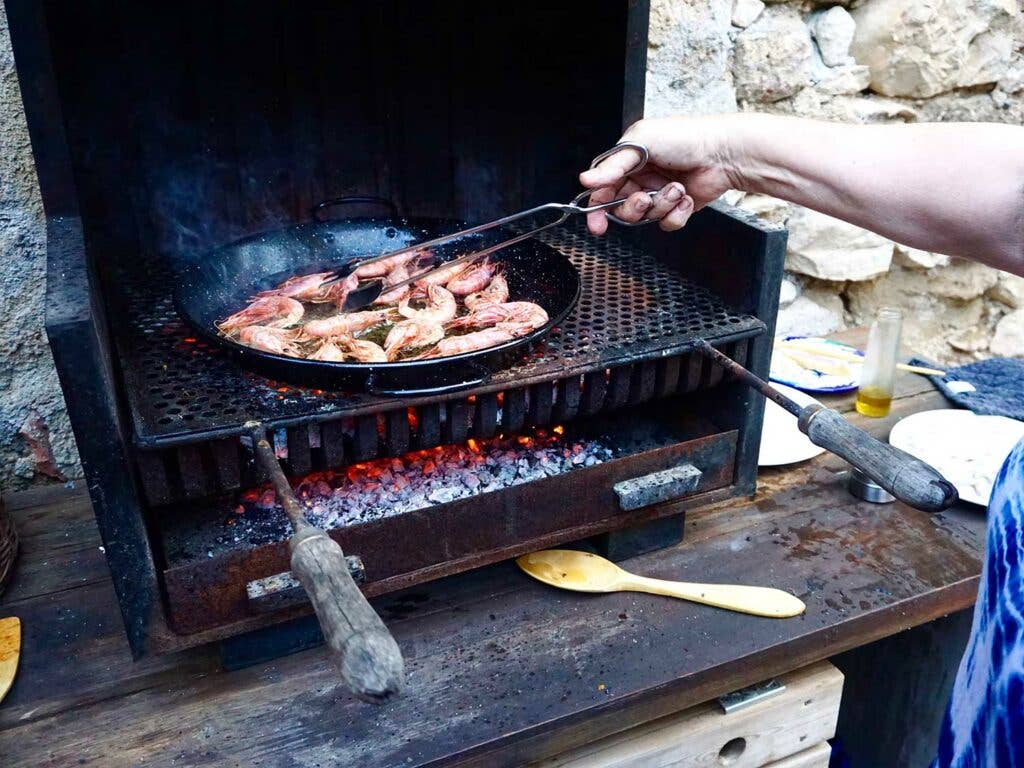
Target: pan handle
point(373, 389)
point(317, 211)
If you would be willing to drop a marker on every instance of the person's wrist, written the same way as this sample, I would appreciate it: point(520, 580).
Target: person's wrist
point(735, 149)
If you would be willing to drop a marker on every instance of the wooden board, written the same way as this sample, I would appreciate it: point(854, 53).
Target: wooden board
point(815, 757)
point(703, 736)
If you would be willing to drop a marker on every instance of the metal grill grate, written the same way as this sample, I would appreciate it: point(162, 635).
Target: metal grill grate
point(632, 307)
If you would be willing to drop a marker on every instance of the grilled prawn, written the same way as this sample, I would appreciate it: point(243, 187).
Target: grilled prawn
point(472, 279)
point(386, 266)
point(269, 311)
point(441, 306)
point(280, 341)
point(471, 342)
point(441, 277)
point(339, 291)
point(329, 352)
point(301, 287)
point(397, 275)
point(495, 293)
point(348, 323)
point(362, 351)
point(411, 333)
point(515, 317)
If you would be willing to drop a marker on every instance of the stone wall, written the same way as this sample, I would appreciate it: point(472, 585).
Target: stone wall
point(862, 62)
point(35, 437)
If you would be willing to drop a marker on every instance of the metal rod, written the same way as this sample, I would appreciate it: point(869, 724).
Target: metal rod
point(747, 377)
point(267, 460)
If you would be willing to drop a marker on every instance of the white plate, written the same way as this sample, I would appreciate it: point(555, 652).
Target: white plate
point(966, 448)
point(782, 442)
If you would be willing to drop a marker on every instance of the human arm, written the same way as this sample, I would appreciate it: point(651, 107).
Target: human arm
point(954, 188)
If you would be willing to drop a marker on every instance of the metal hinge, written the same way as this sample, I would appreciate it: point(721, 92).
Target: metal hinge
point(752, 694)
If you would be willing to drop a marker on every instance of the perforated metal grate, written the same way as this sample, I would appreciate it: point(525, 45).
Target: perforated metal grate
point(632, 307)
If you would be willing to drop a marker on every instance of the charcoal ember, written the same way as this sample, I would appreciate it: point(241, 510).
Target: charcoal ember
point(267, 500)
point(470, 480)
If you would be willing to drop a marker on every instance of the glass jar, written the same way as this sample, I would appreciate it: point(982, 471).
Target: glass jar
point(878, 377)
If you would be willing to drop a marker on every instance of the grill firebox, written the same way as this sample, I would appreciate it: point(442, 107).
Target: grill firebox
point(185, 140)
point(625, 343)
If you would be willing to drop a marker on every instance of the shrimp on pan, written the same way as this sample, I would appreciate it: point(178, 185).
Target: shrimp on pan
point(495, 293)
point(348, 323)
point(397, 275)
point(471, 342)
point(328, 352)
point(385, 266)
point(442, 276)
point(441, 306)
point(338, 291)
point(362, 350)
point(280, 341)
point(516, 317)
point(411, 333)
point(472, 279)
point(271, 311)
point(301, 287)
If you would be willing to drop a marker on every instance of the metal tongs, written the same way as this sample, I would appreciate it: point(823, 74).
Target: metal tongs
point(366, 293)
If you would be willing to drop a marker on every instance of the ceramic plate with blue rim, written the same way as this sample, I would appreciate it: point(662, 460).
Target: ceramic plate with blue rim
point(802, 369)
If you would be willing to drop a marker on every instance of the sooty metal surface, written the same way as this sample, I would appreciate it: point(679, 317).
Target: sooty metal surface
point(632, 308)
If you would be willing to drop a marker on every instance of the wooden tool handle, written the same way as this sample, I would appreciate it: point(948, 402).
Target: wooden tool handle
point(909, 479)
point(371, 664)
point(759, 601)
point(370, 661)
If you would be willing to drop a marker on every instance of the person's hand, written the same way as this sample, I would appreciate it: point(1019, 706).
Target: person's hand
point(686, 166)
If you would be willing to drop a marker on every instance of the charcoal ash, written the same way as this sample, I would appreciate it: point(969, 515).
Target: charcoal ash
point(381, 488)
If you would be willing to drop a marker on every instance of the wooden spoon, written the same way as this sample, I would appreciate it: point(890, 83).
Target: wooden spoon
point(584, 572)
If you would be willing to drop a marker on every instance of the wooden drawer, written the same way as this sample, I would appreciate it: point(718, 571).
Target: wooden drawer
point(786, 730)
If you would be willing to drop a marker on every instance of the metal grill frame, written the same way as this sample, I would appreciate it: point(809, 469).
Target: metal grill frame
point(632, 308)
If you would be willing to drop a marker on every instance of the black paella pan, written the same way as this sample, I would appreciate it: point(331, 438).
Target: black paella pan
point(223, 282)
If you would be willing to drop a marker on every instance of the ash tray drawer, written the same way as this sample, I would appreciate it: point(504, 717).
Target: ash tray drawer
point(424, 544)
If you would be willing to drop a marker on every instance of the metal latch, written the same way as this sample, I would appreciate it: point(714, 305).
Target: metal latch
point(282, 590)
point(752, 694)
point(656, 487)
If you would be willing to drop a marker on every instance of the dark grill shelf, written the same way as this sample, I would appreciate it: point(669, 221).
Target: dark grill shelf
point(632, 309)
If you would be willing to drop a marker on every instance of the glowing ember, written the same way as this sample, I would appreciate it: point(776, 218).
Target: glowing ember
point(371, 490)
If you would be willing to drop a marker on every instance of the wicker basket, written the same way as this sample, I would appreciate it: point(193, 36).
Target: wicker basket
point(8, 546)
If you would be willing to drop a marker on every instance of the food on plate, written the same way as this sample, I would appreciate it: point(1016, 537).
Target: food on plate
point(460, 309)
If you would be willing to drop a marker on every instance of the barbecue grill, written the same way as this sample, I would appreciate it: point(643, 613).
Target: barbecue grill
point(159, 136)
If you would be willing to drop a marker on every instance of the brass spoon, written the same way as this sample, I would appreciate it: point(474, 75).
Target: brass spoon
point(584, 572)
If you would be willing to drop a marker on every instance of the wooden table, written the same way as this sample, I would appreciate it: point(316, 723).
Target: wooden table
point(500, 669)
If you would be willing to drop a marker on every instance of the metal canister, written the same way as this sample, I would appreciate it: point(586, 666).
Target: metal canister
point(863, 487)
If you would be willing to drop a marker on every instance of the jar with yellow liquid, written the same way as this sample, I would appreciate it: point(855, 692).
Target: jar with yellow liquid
point(878, 377)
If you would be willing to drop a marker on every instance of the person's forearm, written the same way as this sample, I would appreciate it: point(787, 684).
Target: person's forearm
point(956, 189)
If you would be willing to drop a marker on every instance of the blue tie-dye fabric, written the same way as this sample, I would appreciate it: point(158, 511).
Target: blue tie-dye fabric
point(984, 724)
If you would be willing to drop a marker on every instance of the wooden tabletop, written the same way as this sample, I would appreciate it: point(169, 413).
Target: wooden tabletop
point(501, 669)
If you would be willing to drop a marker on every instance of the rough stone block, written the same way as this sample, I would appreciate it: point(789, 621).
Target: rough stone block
point(825, 247)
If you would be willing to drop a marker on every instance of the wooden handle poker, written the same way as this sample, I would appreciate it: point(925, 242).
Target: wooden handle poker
point(369, 658)
point(909, 479)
